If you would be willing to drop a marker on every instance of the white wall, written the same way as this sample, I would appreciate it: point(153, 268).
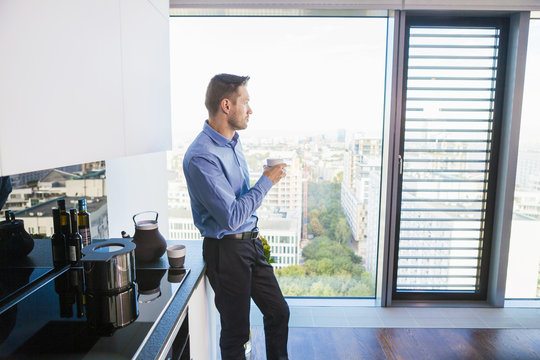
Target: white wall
point(82, 81)
point(136, 184)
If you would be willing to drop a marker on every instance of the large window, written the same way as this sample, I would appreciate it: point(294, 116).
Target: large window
point(317, 92)
point(523, 280)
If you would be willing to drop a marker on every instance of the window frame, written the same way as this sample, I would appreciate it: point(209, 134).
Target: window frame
point(506, 171)
point(508, 143)
point(502, 24)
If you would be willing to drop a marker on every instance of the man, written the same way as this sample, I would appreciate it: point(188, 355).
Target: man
point(223, 206)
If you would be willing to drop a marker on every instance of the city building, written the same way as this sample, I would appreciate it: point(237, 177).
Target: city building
point(88, 185)
point(283, 236)
point(22, 179)
point(528, 169)
point(18, 199)
point(57, 183)
point(181, 226)
point(38, 218)
point(360, 193)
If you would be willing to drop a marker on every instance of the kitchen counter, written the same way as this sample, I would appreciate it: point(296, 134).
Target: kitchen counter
point(164, 331)
point(151, 339)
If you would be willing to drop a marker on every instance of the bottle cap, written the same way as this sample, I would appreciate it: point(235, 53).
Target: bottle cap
point(61, 204)
point(82, 204)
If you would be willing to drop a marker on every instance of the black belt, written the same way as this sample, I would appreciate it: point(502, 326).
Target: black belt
point(248, 235)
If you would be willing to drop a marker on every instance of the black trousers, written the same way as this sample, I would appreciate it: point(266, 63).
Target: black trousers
point(238, 271)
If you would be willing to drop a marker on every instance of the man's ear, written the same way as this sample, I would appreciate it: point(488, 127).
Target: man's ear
point(226, 106)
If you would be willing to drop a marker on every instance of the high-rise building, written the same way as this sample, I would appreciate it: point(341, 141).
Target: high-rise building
point(528, 169)
point(286, 195)
point(283, 235)
point(280, 215)
point(181, 226)
point(373, 211)
point(360, 190)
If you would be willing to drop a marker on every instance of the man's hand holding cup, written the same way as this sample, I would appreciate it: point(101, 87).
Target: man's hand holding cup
point(275, 169)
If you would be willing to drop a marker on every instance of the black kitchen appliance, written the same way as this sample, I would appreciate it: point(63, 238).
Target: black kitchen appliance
point(15, 242)
point(107, 312)
point(111, 291)
point(13, 280)
point(36, 327)
point(149, 283)
point(109, 266)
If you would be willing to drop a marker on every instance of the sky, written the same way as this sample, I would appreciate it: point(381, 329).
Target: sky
point(308, 75)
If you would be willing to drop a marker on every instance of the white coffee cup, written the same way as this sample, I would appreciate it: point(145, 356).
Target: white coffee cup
point(176, 255)
point(274, 161)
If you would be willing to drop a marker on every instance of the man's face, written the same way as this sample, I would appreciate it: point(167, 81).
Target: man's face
point(240, 111)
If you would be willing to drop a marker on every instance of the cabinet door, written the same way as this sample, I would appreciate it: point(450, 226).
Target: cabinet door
point(81, 81)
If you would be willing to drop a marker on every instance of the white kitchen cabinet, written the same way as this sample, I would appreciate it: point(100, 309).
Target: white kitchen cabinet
point(82, 81)
point(203, 319)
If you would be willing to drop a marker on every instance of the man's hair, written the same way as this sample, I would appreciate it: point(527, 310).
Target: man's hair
point(223, 86)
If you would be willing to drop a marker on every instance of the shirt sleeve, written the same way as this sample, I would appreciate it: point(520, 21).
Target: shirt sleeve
point(211, 188)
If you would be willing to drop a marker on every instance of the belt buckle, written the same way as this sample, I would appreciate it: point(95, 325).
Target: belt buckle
point(254, 233)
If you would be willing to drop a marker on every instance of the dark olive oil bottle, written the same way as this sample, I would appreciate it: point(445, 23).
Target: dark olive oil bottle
point(84, 223)
point(58, 241)
point(74, 240)
point(64, 219)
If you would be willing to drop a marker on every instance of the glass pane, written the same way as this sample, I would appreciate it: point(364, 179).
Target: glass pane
point(34, 195)
point(447, 140)
point(317, 92)
point(524, 258)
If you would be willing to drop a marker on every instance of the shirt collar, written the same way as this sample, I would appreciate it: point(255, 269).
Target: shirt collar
point(219, 139)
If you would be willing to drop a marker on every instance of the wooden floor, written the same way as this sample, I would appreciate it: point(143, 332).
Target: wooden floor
point(404, 343)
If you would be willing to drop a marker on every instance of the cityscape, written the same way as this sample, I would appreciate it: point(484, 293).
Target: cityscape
point(321, 220)
point(331, 183)
point(34, 195)
point(350, 166)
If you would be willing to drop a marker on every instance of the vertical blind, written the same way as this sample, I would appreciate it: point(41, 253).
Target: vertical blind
point(447, 148)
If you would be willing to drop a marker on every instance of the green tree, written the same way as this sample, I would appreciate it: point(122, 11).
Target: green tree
point(330, 267)
point(315, 227)
point(342, 231)
point(338, 178)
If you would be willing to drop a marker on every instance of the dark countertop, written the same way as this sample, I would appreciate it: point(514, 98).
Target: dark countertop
point(162, 330)
point(39, 257)
point(38, 262)
point(165, 326)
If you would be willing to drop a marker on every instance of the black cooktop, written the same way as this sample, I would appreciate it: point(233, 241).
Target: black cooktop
point(54, 321)
point(17, 279)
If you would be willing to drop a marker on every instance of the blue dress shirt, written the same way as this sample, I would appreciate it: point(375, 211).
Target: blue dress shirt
point(217, 176)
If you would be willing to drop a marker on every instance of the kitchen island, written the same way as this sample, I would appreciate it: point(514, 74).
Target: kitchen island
point(45, 314)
